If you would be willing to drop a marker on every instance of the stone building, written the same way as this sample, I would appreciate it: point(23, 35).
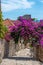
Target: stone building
point(27, 17)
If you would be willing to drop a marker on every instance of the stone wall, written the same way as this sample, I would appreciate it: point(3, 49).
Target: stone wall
point(9, 48)
point(2, 47)
point(14, 47)
point(40, 53)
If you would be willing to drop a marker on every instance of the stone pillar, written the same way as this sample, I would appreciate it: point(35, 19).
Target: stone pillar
point(40, 53)
point(11, 48)
point(16, 47)
point(2, 47)
point(19, 44)
point(34, 52)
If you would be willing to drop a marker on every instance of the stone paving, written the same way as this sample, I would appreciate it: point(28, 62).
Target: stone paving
point(18, 59)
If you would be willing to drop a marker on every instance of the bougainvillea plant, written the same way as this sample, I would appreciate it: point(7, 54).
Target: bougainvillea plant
point(26, 29)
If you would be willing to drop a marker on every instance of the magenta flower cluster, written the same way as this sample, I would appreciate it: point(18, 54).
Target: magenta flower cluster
point(24, 28)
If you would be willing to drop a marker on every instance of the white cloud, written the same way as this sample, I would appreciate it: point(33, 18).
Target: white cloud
point(8, 5)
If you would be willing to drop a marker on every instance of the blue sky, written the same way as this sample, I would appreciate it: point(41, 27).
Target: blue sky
point(14, 8)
